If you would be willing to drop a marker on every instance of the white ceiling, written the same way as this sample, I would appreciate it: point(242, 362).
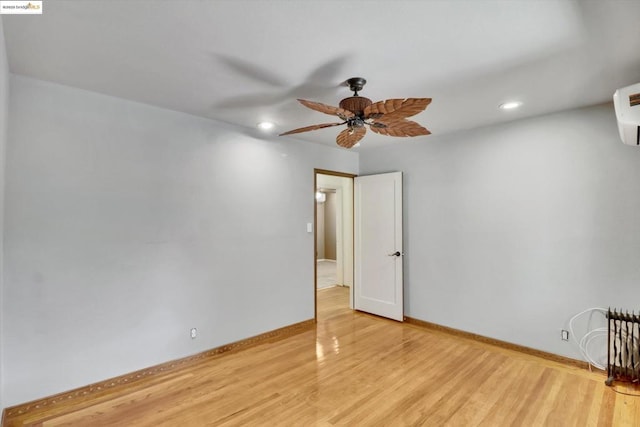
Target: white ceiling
point(247, 61)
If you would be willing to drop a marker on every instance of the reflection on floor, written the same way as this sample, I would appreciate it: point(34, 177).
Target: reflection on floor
point(326, 274)
point(332, 302)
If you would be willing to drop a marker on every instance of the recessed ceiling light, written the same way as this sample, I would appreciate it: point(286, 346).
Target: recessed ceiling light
point(265, 125)
point(510, 105)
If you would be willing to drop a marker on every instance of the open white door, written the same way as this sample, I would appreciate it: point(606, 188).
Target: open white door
point(378, 245)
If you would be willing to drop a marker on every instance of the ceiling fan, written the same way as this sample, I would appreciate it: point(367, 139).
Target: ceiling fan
point(384, 117)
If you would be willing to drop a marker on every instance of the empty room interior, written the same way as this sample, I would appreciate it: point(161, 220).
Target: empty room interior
point(320, 212)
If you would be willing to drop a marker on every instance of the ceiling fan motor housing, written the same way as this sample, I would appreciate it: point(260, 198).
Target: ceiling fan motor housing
point(355, 104)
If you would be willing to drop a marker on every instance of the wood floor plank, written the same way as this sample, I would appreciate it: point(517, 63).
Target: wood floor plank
point(357, 369)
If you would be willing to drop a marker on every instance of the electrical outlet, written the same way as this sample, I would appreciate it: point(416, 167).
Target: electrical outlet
point(194, 333)
point(565, 335)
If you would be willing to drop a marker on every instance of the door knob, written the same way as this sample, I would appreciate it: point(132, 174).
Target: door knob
point(396, 253)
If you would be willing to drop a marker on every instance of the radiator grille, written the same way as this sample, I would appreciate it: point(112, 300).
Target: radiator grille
point(624, 352)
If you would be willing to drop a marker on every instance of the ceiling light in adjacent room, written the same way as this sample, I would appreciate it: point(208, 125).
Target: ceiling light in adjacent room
point(320, 197)
point(265, 125)
point(510, 105)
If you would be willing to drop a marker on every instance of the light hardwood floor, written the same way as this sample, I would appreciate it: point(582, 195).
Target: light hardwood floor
point(358, 370)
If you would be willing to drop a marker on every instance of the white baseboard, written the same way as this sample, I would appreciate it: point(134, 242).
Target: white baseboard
point(327, 260)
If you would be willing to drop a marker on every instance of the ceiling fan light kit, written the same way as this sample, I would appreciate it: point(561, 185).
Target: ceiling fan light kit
point(383, 117)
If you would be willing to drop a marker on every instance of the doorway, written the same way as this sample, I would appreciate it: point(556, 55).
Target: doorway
point(333, 239)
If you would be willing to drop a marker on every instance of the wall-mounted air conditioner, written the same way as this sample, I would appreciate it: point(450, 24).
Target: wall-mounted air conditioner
point(626, 102)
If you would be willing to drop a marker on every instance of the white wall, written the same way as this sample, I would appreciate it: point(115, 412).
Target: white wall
point(512, 229)
point(127, 225)
point(4, 108)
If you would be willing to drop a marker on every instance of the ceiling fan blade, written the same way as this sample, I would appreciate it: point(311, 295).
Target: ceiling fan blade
point(313, 127)
point(250, 70)
point(251, 101)
point(327, 109)
point(399, 128)
point(393, 109)
point(326, 74)
point(350, 137)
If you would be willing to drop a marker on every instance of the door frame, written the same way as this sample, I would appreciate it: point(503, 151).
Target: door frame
point(317, 172)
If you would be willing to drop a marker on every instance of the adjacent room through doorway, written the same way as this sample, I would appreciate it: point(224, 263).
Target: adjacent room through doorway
point(334, 235)
point(326, 218)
